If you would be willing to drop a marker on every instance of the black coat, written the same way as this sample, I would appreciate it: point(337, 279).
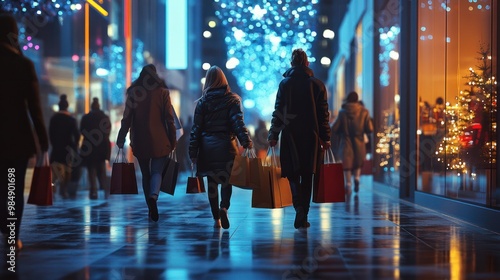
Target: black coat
point(19, 101)
point(301, 116)
point(95, 128)
point(64, 137)
point(218, 120)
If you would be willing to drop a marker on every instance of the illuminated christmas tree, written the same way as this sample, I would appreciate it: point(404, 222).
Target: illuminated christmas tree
point(470, 139)
point(484, 86)
point(260, 37)
point(458, 118)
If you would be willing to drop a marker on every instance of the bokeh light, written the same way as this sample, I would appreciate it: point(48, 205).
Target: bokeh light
point(260, 37)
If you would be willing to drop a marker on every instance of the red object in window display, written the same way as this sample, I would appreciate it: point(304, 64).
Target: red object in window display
point(471, 135)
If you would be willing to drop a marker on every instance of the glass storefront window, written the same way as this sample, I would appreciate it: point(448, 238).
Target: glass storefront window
point(457, 93)
point(387, 131)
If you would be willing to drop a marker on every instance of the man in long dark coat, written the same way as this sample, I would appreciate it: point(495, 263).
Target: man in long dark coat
point(301, 116)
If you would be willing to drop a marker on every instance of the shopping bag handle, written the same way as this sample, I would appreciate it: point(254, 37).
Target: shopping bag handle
point(173, 155)
point(192, 169)
point(328, 157)
point(271, 158)
point(43, 160)
point(121, 153)
point(249, 153)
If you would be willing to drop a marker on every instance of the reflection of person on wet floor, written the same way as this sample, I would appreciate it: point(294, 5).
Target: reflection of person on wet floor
point(352, 123)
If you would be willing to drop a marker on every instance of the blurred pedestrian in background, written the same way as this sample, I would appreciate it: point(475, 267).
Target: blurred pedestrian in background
point(96, 147)
point(64, 137)
point(351, 125)
point(260, 139)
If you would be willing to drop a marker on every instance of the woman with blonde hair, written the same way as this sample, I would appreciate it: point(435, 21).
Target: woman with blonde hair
point(217, 123)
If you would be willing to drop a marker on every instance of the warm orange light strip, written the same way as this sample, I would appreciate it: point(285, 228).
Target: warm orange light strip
point(96, 6)
point(87, 58)
point(128, 40)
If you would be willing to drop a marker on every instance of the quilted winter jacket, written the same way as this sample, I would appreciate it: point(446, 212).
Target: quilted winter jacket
point(217, 122)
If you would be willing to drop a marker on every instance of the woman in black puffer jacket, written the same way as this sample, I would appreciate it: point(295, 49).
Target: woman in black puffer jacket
point(217, 122)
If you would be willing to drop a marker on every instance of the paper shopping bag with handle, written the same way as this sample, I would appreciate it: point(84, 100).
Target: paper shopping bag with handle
point(246, 170)
point(123, 180)
point(273, 191)
point(195, 184)
point(330, 186)
point(41, 184)
point(170, 173)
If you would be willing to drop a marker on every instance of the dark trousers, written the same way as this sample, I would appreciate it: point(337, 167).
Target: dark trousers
point(213, 194)
point(13, 173)
point(97, 172)
point(301, 186)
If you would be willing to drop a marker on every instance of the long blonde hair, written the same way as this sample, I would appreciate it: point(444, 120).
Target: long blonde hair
point(215, 78)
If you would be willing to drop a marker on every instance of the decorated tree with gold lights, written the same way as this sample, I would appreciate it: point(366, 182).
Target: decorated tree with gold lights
point(470, 138)
point(459, 117)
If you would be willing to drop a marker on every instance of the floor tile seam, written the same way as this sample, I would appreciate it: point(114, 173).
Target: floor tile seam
point(401, 227)
point(416, 237)
point(241, 220)
point(346, 265)
point(449, 218)
point(97, 260)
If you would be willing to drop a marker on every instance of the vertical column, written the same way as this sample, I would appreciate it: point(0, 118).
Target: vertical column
point(127, 30)
point(87, 58)
point(408, 101)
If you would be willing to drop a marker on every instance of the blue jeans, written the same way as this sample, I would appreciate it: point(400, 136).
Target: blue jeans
point(152, 170)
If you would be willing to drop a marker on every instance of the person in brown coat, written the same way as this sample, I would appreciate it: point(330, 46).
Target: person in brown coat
point(301, 116)
point(19, 102)
point(150, 117)
point(352, 123)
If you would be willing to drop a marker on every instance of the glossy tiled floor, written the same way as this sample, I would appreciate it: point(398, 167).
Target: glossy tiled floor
point(371, 236)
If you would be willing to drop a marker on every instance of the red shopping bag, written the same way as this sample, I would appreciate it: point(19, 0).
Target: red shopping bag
point(195, 184)
point(330, 186)
point(123, 180)
point(367, 168)
point(41, 184)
